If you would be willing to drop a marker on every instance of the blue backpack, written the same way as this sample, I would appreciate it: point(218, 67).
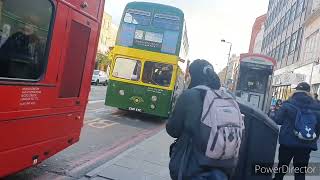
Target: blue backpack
point(305, 124)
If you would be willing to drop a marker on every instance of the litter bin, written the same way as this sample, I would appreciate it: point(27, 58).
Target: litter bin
point(258, 145)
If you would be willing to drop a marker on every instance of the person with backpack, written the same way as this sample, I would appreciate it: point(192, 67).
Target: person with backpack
point(299, 118)
point(207, 125)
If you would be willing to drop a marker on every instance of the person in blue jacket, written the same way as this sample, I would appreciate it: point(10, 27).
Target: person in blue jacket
point(291, 147)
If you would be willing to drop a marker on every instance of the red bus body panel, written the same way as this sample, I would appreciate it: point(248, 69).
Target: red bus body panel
point(32, 130)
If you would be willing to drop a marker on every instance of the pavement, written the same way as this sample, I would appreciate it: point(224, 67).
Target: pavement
point(149, 161)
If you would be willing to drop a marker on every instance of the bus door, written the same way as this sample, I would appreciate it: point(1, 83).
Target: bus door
point(76, 65)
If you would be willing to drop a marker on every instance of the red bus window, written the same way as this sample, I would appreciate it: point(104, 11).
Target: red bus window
point(24, 32)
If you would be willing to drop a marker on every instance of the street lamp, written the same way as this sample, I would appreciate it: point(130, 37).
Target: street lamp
point(225, 78)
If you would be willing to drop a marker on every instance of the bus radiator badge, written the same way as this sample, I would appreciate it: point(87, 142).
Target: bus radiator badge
point(137, 100)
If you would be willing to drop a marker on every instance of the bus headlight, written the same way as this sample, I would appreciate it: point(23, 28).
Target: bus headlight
point(121, 92)
point(154, 98)
point(152, 106)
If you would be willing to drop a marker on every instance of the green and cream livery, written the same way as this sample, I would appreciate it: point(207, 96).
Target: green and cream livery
point(146, 73)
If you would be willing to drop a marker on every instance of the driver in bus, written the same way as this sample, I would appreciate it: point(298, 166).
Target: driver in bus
point(164, 77)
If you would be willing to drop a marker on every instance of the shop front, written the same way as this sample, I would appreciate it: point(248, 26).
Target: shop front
point(283, 84)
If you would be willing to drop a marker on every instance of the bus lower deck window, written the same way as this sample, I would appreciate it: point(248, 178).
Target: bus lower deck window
point(24, 33)
point(157, 74)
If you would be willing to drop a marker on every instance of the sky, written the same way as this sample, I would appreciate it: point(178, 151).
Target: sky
point(209, 21)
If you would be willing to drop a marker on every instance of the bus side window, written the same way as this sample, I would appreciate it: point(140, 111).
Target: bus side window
point(25, 31)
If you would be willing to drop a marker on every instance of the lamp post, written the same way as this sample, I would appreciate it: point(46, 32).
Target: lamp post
point(227, 68)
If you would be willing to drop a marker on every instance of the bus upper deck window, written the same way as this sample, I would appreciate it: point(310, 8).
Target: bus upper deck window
point(139, 17)
point(128, 69)
point(24, 33)
point(157, 74)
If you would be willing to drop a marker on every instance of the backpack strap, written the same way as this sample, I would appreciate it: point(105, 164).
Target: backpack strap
point(293, 106)
point(205, 116)
point(211, 104)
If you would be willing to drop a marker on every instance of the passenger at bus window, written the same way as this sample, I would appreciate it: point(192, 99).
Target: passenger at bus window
point(5, 33)
point(164, 77)
point(20, 54)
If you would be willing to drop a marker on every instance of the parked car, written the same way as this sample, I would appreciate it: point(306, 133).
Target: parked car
point(99, 77)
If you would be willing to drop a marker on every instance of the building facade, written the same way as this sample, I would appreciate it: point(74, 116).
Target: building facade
point(107, 39)
point(108, 34)
point(229, 72)
point(310, 53)
point(257, 35)
point(222, 75)
point(283, 36)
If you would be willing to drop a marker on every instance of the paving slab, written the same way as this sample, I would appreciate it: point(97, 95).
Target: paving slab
point(148, 160)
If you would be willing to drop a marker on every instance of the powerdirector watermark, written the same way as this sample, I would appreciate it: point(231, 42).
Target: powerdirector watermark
point(267, 169)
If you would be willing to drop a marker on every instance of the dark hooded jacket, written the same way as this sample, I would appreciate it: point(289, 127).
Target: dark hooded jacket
point(286, 117)
point(184, 124)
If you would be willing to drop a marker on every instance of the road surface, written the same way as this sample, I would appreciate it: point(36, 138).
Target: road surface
point(106, 133)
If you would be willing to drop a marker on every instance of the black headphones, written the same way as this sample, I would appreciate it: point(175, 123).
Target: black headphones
point(206, 68)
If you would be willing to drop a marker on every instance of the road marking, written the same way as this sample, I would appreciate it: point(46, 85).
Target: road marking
point(92, 120)
point(100, 123)
point(100, 110)
point(96, 101)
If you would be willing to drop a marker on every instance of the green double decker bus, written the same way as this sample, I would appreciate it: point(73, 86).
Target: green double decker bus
point(146, 72)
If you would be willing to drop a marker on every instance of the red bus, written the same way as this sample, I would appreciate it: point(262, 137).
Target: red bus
point(253, 82)
point(47, 55)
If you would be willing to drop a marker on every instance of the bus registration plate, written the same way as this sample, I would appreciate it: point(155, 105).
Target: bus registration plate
point(135, 109)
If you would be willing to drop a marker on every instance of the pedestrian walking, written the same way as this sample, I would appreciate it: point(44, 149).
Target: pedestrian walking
point(299, 118)
point(273, 101)
point(208, 126)
point(274, 109)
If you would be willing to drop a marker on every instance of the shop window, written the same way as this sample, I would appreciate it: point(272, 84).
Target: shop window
point(293, 12)
point(293, 42)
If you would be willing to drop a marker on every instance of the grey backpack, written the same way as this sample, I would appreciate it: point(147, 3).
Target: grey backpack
point(221, 114)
